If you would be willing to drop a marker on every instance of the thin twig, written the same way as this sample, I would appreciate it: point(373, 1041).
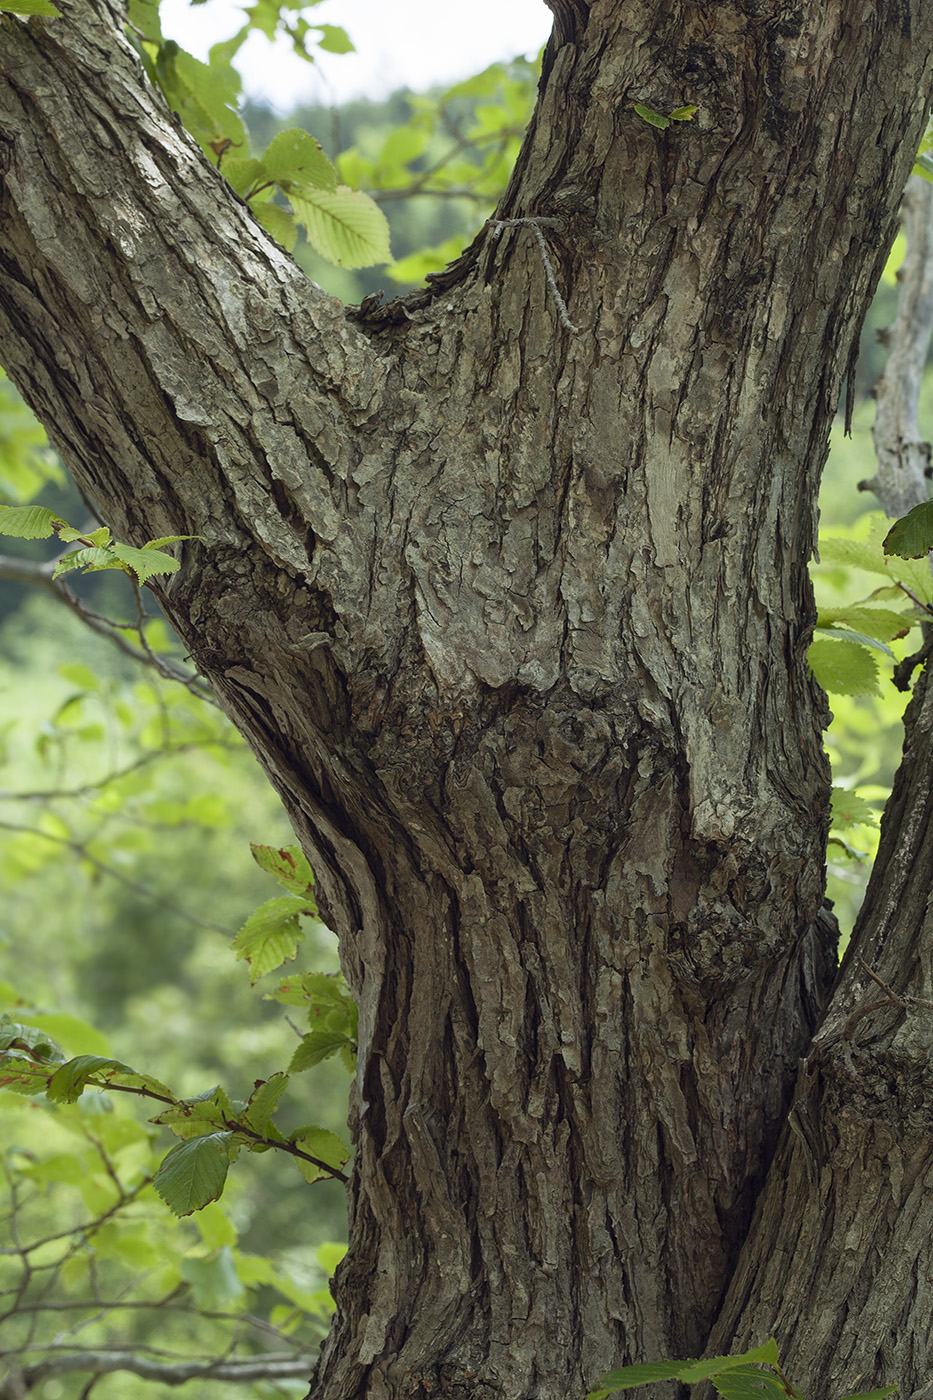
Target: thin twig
point(82, 850)
point(497, 225)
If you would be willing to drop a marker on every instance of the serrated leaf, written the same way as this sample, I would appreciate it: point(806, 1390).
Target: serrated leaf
point(653, 118)
point(196, 1116)
point(844, 668)
point(94, 560)
point(749, 1383)
point(863, 639)
point(293, 157)
point(848, 809)
point(316, 1047)
point(689, 1372)
point(19, 1035)
point(70, 1080)
point(289, 865)
point(325, 1146)
point(344, 226)
point(145, 563)
point(243, 172)
point(100, 537)
point(911, 537)
point(279, 222)
point(857, 554)
point(28, 522)
point(883, 624)
point(271, 934)
point(21, 1074)
point(194, 1173)
point(263, 1101)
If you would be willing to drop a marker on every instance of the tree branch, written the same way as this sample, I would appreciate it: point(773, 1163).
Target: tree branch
point(273, 1366)
point(903, 456)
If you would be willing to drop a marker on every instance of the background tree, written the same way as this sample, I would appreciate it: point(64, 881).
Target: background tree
point(511, 602)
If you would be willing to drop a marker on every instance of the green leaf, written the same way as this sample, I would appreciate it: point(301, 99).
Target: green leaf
point(844, 668)
point(279, 222)
point(689, 1372)
point(271, 934)
point(316, 1047)
point(848, 809)
point(145, 563)
point(334, 39)
point(684, 114)
point(194, 1117)
point(244, 173)
point(344, 226)
point(325, 1146)
point(101, 537)
point(263, 1101)
point(911, 537)
point(855, 554)
point(194, 1172)
point(94, 560)
point(29, 7)
point(749, 1383)
point(290, 867)
point(69, 1082)
point(882, 624)
point(293, 157)
point(20, 1035)
point(28, 522)
point(861, 637)
point(653, 118)
point(21, 1074)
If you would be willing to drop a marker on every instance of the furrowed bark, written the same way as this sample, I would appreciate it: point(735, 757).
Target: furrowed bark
point(839, 1261)
point(516, 620)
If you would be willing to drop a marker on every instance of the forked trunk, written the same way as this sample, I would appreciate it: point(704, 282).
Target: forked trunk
point(516, 617)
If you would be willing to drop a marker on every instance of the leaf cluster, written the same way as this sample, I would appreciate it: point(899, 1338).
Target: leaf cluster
point(212, 1127)
point(99, 550)
point(342, 224)
point(738, 1377)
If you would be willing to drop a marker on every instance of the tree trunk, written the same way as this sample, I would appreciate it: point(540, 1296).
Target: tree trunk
point(839, 1261)
point(516, 619)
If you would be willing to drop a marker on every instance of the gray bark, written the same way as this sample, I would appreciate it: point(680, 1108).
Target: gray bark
point(516, 619)
point(839, 1261)
point(903, 455)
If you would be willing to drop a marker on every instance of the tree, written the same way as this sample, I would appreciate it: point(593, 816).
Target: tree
point(505, 583)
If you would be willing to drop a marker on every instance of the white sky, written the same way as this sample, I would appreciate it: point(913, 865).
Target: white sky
point(400, 43)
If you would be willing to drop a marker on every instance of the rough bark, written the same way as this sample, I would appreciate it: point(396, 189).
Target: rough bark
point(903, 454)
point(516, 621)
point(839, 1261)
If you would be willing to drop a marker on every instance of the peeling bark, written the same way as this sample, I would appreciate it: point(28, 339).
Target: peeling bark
point(516, 621)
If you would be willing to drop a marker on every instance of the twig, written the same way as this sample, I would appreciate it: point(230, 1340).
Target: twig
point(497, 225)
point(82, 850)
